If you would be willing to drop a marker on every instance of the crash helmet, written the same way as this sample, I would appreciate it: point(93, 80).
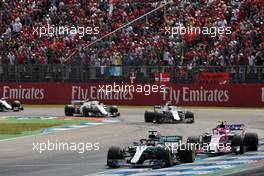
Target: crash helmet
point(222, 124)
point(169, 103)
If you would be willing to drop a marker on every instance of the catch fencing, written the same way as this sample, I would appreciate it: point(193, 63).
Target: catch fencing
point(143, 74)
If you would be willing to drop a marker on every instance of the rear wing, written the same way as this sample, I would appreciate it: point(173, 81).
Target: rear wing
point(170, 138)
point(234, 127)
point(157, 107)
point(77, 102)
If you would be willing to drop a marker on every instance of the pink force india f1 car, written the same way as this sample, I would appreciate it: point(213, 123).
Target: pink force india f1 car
point(225, 138)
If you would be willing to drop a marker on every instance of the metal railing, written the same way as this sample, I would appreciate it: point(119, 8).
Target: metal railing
point(83, 73)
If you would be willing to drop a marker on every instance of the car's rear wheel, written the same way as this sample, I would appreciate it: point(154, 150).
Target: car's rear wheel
point(113, 156)
point(86, 112)
point(160, 118)
point(251, 141)
point(69, 110)
point(187, 153)
point(238, 145)
point(149, 116)
point(193, 139)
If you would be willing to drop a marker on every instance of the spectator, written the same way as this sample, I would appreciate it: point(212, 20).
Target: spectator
point(141, 43)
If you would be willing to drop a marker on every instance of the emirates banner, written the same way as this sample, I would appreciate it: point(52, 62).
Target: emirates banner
point(239, 95)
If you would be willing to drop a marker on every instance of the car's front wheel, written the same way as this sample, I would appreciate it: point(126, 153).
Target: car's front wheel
point(113, 156)
point(187, 153)
point(16, 106)
point(189, 117)
point(166, 156)
point(69, 110)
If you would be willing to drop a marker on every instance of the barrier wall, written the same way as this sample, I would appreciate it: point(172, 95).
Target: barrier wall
point(240, 95)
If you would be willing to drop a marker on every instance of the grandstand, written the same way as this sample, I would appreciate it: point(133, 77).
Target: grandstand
point(113, 49)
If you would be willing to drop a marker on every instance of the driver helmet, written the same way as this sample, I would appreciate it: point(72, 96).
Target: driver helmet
point(169, 103)
point(222, 124)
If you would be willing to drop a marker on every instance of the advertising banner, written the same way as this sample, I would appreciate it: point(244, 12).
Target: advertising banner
point(230, 95)
point(214, 78)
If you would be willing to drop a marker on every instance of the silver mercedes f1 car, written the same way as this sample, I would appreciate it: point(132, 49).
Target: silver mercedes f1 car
point(90, 108)
point(14, 106)
point(169, 114)
point(155, 151)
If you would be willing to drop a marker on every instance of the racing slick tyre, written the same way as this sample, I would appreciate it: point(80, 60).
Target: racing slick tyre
point(193, 140)
point(86, 112)
point(238, 141)
point(114, 154)
point(113, 109)
point(160, 118)
point(189, 117)
point(187, 153)
point(251, 141)
point(69, 110)
point(16, 106)
point(149, 116)
point(166, 156)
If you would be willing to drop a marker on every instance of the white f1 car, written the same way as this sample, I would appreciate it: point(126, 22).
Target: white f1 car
point(90, 109)
point(15, 106)
point(169, 114)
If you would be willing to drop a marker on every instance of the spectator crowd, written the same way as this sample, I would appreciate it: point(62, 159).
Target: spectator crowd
point(143, 42)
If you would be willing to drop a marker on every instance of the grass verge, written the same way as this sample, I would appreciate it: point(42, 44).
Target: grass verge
point(11, 128)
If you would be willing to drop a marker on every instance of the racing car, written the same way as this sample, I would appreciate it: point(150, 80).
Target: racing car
point(156, 151)
point(168, 114)
point(226, 138)
point(14, 106)
point(90, 108)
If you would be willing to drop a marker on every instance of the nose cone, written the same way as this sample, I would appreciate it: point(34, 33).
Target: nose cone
point(213, 147)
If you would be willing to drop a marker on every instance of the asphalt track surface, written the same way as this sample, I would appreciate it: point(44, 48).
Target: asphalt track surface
point(254, 172)
point(18, 158)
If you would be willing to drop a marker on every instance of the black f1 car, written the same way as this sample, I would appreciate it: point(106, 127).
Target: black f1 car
point(14, 106)
point(156, 151)
point(169, 114)
point(90, 108)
